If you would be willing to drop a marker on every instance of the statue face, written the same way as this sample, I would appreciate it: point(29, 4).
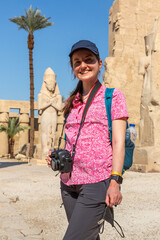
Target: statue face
point(50, 83)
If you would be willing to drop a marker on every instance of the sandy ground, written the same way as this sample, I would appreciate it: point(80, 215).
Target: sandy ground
point(34, 193)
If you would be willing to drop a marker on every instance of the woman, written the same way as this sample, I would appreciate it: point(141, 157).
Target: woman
point(97, 166)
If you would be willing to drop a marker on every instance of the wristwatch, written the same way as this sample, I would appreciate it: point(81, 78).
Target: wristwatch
point(117, 178)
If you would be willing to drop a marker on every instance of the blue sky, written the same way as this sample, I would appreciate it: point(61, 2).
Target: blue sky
point(73, 20)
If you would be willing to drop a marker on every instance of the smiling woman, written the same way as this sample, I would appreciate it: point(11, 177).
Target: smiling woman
point(89, 185)
point(85, 66)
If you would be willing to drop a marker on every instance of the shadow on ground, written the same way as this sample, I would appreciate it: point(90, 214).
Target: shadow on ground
point(10, 164)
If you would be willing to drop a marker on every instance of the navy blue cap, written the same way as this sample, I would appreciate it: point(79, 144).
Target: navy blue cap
point(84, 44)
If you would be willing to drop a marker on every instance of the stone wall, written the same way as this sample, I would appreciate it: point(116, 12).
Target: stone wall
point(129, 22)
point(23, 137)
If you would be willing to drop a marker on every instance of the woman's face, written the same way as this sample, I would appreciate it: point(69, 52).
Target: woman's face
point(85, 65)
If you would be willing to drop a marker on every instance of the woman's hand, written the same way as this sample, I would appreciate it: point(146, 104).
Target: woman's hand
point(48, 159)
point(114, 196)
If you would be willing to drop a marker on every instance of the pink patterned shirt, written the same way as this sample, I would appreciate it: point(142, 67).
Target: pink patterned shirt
point(93, 156)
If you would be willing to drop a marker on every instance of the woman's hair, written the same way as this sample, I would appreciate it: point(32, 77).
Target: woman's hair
point(79, 89)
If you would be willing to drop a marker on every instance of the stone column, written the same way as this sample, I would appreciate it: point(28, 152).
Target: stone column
point(60, 122)
point(39, 129)
point(38, 145)
point(3, 136)
point(23, 135)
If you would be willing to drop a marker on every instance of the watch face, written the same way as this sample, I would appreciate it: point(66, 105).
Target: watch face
point(117, 178)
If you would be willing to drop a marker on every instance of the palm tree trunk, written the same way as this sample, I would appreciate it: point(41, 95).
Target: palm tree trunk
point(30, 47)
point(11, 144)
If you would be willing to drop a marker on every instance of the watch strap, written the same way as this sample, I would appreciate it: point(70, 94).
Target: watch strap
point(117, 178)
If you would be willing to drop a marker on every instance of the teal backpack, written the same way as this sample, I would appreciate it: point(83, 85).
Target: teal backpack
point(129, 145)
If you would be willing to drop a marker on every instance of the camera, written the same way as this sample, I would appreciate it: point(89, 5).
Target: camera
point(61, 160)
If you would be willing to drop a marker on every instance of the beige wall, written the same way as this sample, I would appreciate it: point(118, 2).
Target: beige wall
point(23, 137)
point(129, 22)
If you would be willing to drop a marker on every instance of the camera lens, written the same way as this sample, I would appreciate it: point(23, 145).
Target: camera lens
point(53, 165)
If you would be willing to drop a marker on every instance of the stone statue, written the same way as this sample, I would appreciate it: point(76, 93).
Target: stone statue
point(49, 103)
point(149, 91)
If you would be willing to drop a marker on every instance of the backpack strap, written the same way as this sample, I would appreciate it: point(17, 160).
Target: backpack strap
point(129, 145)
point(108, 104)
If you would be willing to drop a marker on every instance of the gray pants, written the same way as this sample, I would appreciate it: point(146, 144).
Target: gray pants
point(84, 206)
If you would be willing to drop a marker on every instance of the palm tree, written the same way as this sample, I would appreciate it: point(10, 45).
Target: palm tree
point(31, 22)
point(12, 129)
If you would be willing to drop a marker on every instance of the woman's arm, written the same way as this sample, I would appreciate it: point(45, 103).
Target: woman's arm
point(114, 196)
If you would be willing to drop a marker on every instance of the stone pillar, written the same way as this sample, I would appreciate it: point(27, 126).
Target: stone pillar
point(38, 153)
point(3, 136)
point(60, 122)
point(23, 135)
point(149, 67)
point(133, 66)
point(39, 129)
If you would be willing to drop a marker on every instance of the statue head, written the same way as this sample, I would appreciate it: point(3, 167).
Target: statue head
point(49, 86)
point(50, 80)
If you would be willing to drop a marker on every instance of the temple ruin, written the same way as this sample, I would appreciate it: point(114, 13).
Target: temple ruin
point(133, 66)
point(22, 110)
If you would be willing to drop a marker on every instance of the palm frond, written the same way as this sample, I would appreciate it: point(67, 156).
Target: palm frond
point(32, 21)
point(3, 128)
point(13, 127)
point(20, 128)
point(21, 21)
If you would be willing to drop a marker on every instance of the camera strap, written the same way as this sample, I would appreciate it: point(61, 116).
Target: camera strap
point(108, 216)
point(93, 92)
